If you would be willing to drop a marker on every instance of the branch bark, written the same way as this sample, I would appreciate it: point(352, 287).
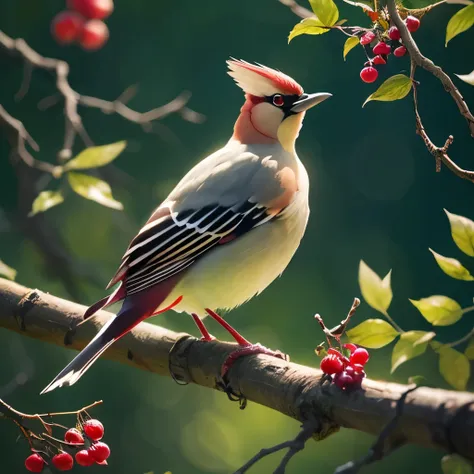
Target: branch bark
point(429, 417)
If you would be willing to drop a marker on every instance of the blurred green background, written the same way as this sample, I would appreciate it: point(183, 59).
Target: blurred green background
point(375, 195)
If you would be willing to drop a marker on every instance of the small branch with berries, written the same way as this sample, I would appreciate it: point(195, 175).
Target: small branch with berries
point(301, 392)
point(81, 443)
point(390, 33)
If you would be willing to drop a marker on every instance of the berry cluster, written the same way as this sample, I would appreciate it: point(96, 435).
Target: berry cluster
point(387, 42)
point(347, 372)
point(86, 444)
point(82, 23)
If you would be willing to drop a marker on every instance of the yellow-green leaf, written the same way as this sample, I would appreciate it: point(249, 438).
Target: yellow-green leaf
point(410, 345)
point(455, 464)
point(461, 21)
point(376, 292)
point(350, 43)
point(372, 333)
point(6, 271)
point(452, 267)
point(439, 310)
point(93, 188)
point(326, 11)
point(394, 88)
point(96, 156)
point(469, 78)
point(462, 231)
point(308, 26)
point(417, 380)
point(46, 200)
point(469, 352)
point(454, 367)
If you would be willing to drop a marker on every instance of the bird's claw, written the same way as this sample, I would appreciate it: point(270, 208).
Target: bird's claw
point(250, 350)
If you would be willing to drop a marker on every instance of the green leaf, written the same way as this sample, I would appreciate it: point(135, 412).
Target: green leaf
point(7, 271)
point(394, 88)
point(439, 310)
point(308, 26)
point(455, 464)
point(46, 200)
point(461, 21)
point(326, 11)
point(453, 366)
point(96, 156)
point(350, 43)
point(376, 292)
point(452, 267)
point(469, 78)
point(372, 333)
point(410, 345)
point(469, 352)
point(462, 231)
point(94, 189)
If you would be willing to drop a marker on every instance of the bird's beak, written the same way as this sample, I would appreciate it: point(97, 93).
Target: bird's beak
point(306, 101)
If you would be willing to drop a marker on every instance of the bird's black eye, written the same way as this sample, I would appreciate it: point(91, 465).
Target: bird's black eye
point(278, 100)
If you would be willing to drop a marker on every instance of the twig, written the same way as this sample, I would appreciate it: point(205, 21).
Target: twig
point(422, 61)
point(337, 331)
point(298, 10)
point(379, 449)
point(458, 342)
point(440, 154)
point(19, 138)
point(73, 121)
point(294, 446)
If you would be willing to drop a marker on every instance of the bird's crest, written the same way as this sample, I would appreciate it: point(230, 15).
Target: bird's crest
point(260, 81)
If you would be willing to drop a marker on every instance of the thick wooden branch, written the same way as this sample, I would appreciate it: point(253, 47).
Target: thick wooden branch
point(429, 417)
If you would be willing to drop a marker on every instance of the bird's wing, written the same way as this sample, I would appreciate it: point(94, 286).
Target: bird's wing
point(223, 197)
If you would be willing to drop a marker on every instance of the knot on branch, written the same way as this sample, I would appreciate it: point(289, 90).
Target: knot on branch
point(28, 302)
point(178, 359)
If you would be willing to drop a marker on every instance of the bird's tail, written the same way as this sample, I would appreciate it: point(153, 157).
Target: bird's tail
point(135, 308)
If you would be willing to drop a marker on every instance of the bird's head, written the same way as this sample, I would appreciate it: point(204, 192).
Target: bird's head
point(275, 104)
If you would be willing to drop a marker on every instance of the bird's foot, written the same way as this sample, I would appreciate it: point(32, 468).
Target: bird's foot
point(249, 349)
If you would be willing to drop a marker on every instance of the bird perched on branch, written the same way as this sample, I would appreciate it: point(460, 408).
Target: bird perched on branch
point(228, 229)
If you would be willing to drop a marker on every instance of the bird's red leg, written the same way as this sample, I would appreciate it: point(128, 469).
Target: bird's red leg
point(206, 336)
point(246, 347)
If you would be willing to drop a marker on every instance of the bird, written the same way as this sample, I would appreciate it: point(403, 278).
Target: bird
point(226, 231)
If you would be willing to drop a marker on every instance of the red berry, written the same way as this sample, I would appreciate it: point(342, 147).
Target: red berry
point(63, 461)
point(381, 48)
point(98, 9)
point(343, 380)
point(66, 27)
point(83, 458)
point(94, 429)
point(394, 33)
point(94, 35)
point(349, 346)
point(357, 367)
point(400, 51)
point(412, 23)
point(359, 356)
point(73, 436)
point(367, 38)
point(335, 352)
point(377, 60)
point(99, 452)
point(331, 364)
point(34, 463)
point(369, 74)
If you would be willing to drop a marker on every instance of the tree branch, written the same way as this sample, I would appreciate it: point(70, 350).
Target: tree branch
point(73, 120)
point(430, 66)
point(434, 418)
